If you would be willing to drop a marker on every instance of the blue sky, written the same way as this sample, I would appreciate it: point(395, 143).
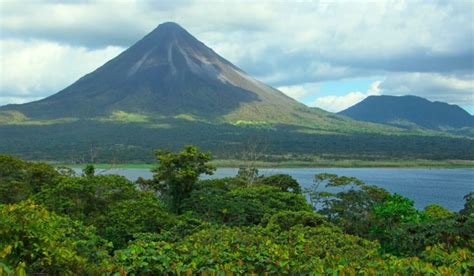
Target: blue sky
point(329, 54)
point(341, 87)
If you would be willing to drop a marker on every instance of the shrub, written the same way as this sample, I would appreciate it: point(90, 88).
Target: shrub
point(243, 206)
point(284, 182)
point(47, 243)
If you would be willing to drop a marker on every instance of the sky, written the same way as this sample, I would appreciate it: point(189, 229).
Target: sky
point(327, 54)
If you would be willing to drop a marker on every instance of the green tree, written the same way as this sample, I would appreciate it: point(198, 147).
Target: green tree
point(13, 184)
point(88, 170)
point(243, 206)
point(86, 198)
point(435, 211)
point(177, 173)
point(351, 208)
point(47, 243)
point(249, 175)
point(321, 197)
point(412, 238)
point(394, 210)
point(285, 182)
point(246, 250)
point(122, 220)
point(468, 205)
point(284, 220)
point(20, 179)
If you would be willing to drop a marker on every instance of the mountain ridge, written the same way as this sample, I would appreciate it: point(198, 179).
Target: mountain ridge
point(410, 111)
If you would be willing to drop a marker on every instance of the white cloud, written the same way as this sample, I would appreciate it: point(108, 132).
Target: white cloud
point(85, 23)
point(451, 88)
point(297, 92)
point(282, 43)
point(339, 103)
point(34, 69)
point(17, 100)
point(332, 30)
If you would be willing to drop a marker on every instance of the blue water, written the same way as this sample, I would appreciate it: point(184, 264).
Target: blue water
point(445, 187)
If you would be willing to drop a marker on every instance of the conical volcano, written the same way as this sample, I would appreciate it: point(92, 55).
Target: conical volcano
point(168, 72)
point(171, 74)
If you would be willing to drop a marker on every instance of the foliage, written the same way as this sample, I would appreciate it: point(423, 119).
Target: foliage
point(391, 219)
point(394, 210)
point(226, 183)
point(248, 175)
point(283, 181)
point(247, 250)
point(320, 198)
point(126, 218)
point(469, 205)
point(297, 250)
point(47, 243)
point(435, 211)
point(261, 225)
point(242, 206)
point(460, 259)
point(412, 238)
point(86, 198)
point(177, 173)
point(284, 220)
point(20, 179)
point(89, 170)
point(13, 184)
point(185, 225)
point(352, 208)
point(226, 141)
point(110, 202)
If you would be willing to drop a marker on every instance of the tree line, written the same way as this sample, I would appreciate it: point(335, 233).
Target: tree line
point(89, 141)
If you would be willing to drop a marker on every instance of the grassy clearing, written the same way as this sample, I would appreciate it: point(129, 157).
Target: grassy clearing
point(350, 164)
point(18, 118)
point(108, 166)
point(125, 117)
point(312, 164)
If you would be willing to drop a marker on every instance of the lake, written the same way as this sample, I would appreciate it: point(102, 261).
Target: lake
point(445, 187)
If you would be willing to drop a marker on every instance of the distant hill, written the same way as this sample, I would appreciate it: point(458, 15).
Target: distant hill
point(410, 111)
point(169, 89)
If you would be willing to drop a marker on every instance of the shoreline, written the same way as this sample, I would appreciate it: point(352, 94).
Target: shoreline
point(425, 164)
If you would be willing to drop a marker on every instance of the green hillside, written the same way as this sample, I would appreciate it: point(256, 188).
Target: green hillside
point(118, 140)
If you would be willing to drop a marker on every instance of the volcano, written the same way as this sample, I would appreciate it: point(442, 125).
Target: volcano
point(171, 74)
point(168, 72)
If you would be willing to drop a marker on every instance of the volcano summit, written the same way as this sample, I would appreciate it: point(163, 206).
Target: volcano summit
point(168, 72)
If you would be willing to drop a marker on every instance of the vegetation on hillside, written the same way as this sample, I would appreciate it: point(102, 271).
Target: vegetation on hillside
point(57, 223)
point(119, 142)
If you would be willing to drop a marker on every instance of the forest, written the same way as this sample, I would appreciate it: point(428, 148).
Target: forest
point(115, 143)
point(54, 221)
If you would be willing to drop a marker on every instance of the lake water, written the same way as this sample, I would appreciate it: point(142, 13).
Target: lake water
point(445, 187)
